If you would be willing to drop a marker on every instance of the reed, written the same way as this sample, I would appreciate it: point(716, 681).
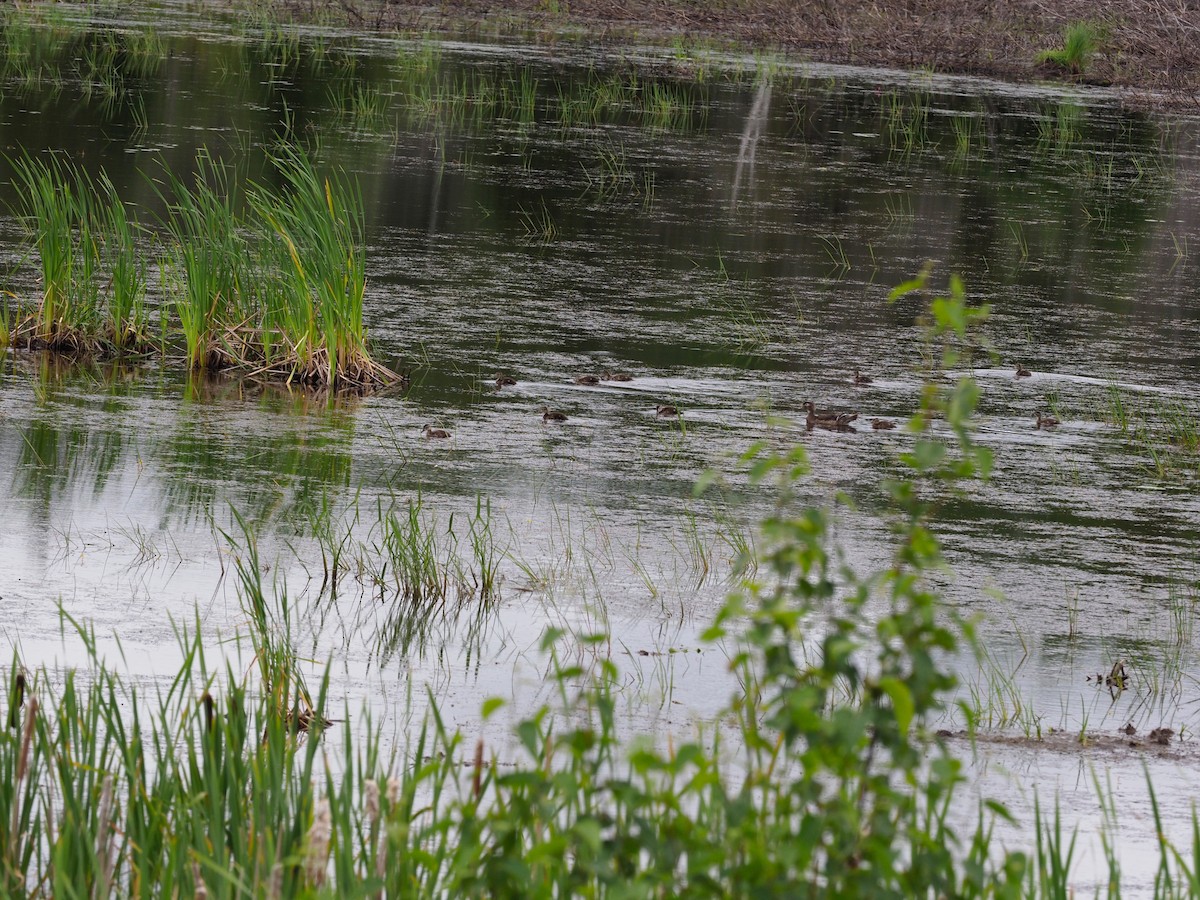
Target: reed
point(317, 247)
point(211, 252)
point(65, 220)
point(126, 326)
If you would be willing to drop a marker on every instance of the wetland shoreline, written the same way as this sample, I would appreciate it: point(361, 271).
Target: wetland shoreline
point(1148, 51)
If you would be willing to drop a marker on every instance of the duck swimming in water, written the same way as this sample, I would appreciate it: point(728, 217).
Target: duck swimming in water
point(430, 432)
point(825, 418)
point(552, 415)
point(666, 412)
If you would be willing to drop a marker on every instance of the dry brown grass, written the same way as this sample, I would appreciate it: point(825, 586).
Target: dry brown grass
point(1150, 47)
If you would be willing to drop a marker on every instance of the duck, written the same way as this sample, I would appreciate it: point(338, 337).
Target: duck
point(430, 432)
point(1022, 372)
point(1046, 421)
point(587, 379)
point(504, 380)
point(882, 424)
point(826, 417)
point(860, 378)
point(666, 412)
point(552, 415)
point(616, 376)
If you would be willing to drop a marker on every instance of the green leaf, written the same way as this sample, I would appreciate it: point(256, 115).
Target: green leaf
point(491, 704)
point(902, 701)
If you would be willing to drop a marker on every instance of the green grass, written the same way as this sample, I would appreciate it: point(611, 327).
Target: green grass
point(92, 272)
point(1081, 41)
point(317, 248)
point(209, 247)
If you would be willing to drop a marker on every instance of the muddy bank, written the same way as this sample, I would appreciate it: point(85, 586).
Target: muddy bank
point(1150, 49)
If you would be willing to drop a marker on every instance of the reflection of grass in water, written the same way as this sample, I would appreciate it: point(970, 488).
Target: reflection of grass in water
point(55, 462)
point(40, 46)
point(1062, 129)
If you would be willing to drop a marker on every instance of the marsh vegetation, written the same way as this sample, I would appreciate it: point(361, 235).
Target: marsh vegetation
point(512, 654)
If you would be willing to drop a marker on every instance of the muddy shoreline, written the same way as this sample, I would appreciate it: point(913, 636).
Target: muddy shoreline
point(1149, 50)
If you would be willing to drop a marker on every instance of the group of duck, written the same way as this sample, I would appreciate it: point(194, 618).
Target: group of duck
point(828, 419)
point(554, 416)
point(839, 420)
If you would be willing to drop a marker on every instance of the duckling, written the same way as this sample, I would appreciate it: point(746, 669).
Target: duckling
point(882, 424)
point(1162, 735)
point(504, 380)
point(430, 432)
point(666, 412)
point(1022, 372)
point(1046, 421)
point(552, 415)
point(616, 376)
point(587, 379)
point(860, 378)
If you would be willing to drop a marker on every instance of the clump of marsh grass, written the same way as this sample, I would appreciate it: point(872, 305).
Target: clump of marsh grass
point(93, 277)
point(313, 331)
point(209, 247)
point(1081, 40)
point(273, 282)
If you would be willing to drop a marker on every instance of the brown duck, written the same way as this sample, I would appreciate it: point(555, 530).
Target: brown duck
point(666, 412)
point(1046, 421)
point(552, 415)
point(828, 418)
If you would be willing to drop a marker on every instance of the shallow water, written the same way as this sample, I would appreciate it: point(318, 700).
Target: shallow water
point(734, 254)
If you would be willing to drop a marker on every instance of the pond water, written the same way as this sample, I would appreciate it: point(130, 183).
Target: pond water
point(726, 231)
